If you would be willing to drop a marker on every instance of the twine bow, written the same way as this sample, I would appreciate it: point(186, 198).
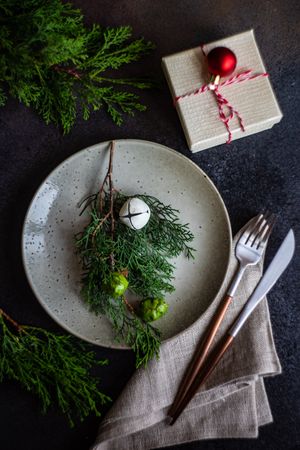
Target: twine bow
point(222, 102)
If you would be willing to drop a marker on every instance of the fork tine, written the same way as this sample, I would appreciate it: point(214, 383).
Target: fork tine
point(264, 240)
point(251, 227)
point(257, 228)
point(260, 236)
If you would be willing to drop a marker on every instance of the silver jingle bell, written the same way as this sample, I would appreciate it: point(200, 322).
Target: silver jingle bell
point(135, 213)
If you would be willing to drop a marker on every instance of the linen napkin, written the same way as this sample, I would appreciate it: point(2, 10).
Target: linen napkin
point(231, 404)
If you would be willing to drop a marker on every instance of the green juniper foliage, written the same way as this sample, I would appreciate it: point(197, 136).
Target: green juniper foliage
point(51, 61)
point(142, 255)
point(54, 367)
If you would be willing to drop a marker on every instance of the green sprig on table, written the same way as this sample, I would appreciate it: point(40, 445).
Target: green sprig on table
point(54, 367)
point(51, 61)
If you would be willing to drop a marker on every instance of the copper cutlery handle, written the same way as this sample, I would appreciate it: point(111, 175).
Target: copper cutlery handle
point(201, 377)
point(200, 354)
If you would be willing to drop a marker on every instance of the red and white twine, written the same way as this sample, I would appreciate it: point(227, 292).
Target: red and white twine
point(222, 101)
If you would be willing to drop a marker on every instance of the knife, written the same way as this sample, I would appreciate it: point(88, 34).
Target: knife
point(279, 263)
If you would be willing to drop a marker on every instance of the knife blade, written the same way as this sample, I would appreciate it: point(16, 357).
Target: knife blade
point(277, 266)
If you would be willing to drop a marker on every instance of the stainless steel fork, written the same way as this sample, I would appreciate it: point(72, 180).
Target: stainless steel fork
point(251, 246)
point(248, 251)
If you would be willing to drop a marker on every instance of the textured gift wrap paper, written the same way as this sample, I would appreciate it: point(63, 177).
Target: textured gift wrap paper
point(253, 99)
point(231, 404)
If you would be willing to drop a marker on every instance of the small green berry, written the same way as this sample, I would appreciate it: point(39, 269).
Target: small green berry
point(118, 285)
point(153, 308)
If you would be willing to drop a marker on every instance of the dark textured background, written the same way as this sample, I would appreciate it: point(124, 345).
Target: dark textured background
point(254, 173)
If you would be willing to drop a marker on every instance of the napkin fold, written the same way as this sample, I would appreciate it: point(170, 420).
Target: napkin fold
point(231, 404)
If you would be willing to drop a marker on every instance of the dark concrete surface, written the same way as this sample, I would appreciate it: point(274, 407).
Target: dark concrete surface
point(257, 172)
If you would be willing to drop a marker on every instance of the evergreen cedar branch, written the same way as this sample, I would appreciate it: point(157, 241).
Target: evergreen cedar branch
point(107, 246)
point(51, 61)
point(54, 367)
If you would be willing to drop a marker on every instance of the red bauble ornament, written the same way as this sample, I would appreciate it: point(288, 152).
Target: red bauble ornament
point(221, 61)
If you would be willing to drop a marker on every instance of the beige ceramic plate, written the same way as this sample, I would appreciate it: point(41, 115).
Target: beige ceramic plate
point(53, 218)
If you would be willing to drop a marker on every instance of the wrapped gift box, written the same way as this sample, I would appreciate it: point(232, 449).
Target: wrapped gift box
point(253, 99)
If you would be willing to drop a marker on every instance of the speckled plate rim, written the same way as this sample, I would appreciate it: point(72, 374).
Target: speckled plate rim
point(75, 155)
